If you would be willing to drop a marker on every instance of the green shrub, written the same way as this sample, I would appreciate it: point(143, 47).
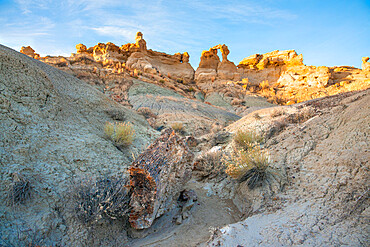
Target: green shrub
point(247, 139)
point(122, 134)
point(161, 81)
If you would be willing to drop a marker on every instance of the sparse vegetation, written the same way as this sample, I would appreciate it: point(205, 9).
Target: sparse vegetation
point(190, 89)
point(105, 197)
point(19, 191)
point(210, 166)
point(146, 112)
point(122, 134)
point(264, 85)
point(277, 113)
point(116, 114)
point(302, 115)
point(247, 139)
point(177, 127)
point(257, 116)
point(179, 80)
point(161, 81)
point(252, 166)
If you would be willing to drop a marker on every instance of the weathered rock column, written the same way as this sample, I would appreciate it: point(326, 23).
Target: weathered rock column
point(157, 177)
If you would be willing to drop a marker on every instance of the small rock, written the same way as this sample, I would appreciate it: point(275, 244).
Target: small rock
point(185, 215)
point(178, 220)
point(188, 206)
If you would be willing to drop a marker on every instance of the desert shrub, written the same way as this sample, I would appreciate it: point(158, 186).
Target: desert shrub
point(19, 191)
point(257, 116)
point(161, 81)
point(104, 197)
point(236, 101)
point(179, 80)
point(252, 166)
point(178, 127)
point(122, 134)
point(116, 114)
point(210, 166)
point(146, 112)
point(302, 115)
point(277, 113)
point(247, 139)
point(190, 89)
point(264, 85)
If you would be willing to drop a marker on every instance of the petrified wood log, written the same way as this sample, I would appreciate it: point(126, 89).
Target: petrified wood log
point(157, 176)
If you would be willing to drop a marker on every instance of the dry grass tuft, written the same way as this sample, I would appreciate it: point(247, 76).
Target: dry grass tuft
point(105, 197)
point(247, 139)
point(177, 127)
point(122, 134)
point(277, 112)
point(116, 114)
point(257, 116)
point(146, 112)
point(252, 166)
point(210, 166)
point(20, 190)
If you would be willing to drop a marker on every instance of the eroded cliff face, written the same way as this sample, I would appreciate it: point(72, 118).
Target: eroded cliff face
point(128, 57)
point(211, 68)
point(279, 76)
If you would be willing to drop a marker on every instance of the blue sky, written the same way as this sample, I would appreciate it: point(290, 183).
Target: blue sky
point(326, 32)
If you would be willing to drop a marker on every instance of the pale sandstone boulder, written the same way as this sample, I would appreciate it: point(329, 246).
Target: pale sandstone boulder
point(365, 64)
point(29, 52)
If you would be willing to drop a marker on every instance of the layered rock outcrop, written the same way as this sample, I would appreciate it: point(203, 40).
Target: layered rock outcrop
point(269, 66)
point(149, 61)
point(211, 68)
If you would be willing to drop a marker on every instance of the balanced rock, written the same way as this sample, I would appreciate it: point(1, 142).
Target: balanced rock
point(210, 66)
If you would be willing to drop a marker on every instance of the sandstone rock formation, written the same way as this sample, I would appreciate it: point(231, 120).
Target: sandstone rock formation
point(365, 64)
point(211, 68)
point(29, 52)
point(176, 66)
point(269, 66)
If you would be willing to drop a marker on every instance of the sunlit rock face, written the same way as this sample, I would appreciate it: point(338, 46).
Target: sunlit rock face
point(365, 64)
point(269, 66)
point(211, 68)
point(29, 52)
point(149, 61)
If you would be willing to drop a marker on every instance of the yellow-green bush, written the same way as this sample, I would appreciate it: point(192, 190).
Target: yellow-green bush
point(178, 127)
point(122, 134)
point(247, 139)
point(251, 166)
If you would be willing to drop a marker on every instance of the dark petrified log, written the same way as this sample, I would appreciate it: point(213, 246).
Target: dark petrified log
point(157, 177)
